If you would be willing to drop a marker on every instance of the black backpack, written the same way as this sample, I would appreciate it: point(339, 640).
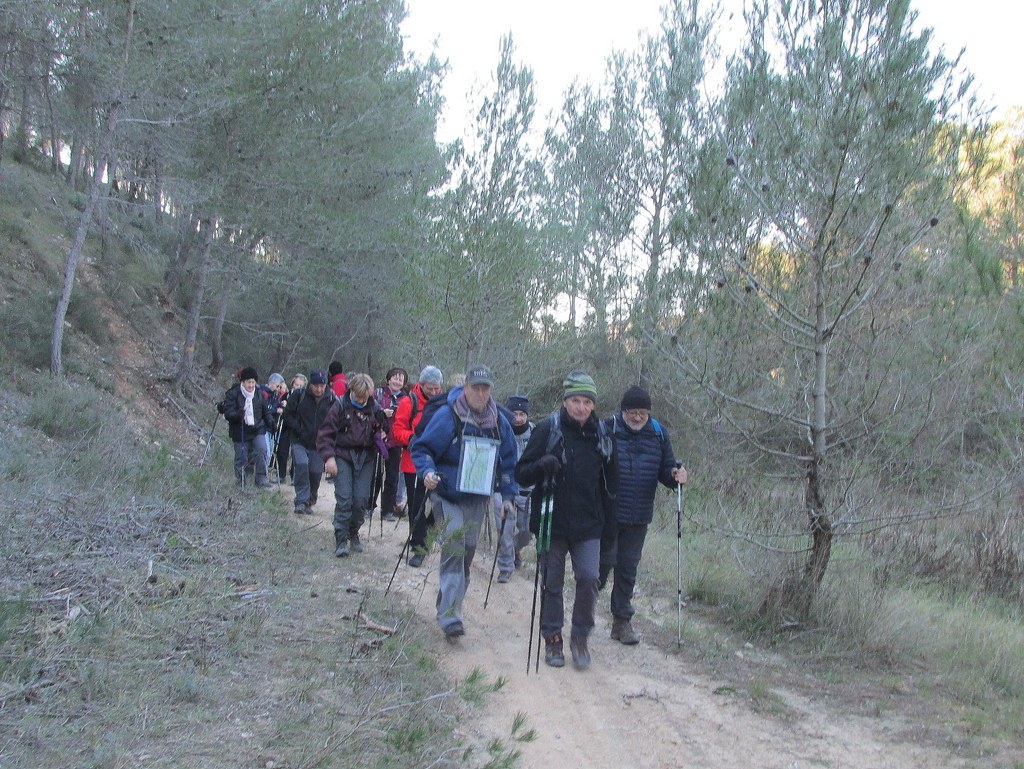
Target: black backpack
point(604, 440)
point(429, 409)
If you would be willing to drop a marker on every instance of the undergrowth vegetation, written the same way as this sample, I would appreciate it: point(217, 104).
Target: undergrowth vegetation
point(142, 595)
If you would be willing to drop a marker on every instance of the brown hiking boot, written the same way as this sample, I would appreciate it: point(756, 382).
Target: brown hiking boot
point(553, 654)
point(623, 632)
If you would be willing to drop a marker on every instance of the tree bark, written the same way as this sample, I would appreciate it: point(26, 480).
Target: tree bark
point(188, 352)
point(176, 268)
point(78, 245)
point(216, 335)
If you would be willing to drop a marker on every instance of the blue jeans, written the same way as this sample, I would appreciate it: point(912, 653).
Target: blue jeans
point(351, 498)
point(460, 523)
point(309, 469)
point(586, 556)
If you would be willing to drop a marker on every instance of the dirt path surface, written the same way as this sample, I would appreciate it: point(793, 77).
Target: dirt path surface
point(637, 707)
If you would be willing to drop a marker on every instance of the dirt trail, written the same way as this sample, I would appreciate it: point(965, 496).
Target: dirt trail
point(637, 707)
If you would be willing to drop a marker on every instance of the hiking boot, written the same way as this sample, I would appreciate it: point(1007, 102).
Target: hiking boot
point(504, 576)
point(623, 632)
point(454, 630)
point(341, 551)
point(302, 509)
point(355, 545)
point(416, 561)
point(580, 653)
point(263, 483)
point(519, 559)
point(553, 654)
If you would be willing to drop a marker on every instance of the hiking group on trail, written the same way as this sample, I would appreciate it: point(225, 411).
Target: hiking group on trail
point(582, 486)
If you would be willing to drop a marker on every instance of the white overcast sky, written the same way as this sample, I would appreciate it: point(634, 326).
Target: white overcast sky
point(562, 40)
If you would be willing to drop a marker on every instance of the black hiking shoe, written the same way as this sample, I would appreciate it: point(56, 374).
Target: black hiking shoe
point(416, 561)
point(553, 654)
point(580, 653)
point(454, 630)
point(355, 545)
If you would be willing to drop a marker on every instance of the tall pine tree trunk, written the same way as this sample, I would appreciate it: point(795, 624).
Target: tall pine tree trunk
point(188, 352)
point(217, 333)
point(78, 245)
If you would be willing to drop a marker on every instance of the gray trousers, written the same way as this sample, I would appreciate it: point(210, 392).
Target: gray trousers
point(459, 523)
point(586, 557)
point(351, 498)
point(309, 469)
point(252, 449)
point(515, 535)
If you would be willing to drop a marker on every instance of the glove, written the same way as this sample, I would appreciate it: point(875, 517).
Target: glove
point(508, 510)
point(220, 407)
point(549, 465)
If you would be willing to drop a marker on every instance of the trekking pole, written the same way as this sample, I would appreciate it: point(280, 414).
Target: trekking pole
point(501, 533)
point(545, 513)
point(679, 562)
point(536, 577)
point(273, 467)
point(546, 532)
point(209, 439)
point(408, 540)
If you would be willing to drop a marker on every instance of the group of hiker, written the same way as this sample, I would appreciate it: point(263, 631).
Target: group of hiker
point(584, 487)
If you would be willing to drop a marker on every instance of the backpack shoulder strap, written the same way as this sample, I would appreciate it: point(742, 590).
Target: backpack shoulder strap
point(657, 428)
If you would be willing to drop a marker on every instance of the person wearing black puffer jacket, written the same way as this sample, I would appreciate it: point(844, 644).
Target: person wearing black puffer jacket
point(306, 412)
point(249, 418)
point(645, 458)
point(571, 457)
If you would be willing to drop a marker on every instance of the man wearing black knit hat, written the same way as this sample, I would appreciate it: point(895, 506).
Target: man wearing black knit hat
point(645, 459)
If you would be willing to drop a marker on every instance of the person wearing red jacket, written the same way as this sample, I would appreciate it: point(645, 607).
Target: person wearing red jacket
point(336, 378)
point(403, 427)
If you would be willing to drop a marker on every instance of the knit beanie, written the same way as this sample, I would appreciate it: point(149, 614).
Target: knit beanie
point(335, 368)
point(579, 383)
point(518, 403)
point(431, 375)
point(635, 398)
point(249, 372)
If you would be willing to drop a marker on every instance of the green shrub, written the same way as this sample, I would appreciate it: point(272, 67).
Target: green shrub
point(28, 325)
point(63, 411)
point(85, 316)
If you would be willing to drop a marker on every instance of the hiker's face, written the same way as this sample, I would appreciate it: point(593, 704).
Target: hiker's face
point(396, 382)
point(249, 385)
point(477, 395)
point(636, 418)
point(519, 418)
point(430, 389)
point(317, 391)
point(579, 407)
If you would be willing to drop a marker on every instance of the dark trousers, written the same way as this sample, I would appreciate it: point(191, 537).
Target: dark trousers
point(389, 494)
point(629, 548)
point(284, 445)
point(419, 521)
point(585, 555)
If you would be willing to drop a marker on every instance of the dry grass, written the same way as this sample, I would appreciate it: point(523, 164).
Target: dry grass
point(152, 616)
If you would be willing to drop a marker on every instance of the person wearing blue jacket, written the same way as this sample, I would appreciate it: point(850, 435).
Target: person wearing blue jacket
point(645, 458)
point(456, 435)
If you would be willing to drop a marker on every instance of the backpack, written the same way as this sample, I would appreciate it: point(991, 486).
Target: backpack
point(604, 440)
point(429, 409)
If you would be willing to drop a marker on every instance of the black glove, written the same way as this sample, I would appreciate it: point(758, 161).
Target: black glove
point(549, 465)
point(220, 407)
